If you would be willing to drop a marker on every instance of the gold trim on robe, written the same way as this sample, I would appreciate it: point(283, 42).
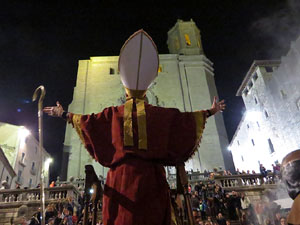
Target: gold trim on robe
point(200, 118)
point(138, 95)
point(76, 118)
point(294, 215)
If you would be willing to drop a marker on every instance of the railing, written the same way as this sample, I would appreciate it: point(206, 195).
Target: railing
point(243, 181)
point(55, 194)
point(230, 181)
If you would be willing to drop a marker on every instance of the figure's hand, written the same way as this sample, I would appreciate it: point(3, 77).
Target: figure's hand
point(55, 111)
point(217, 106)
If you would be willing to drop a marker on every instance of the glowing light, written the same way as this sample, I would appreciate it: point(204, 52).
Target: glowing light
point(253, 116)
point(91, 191)
point(47, 163)
point(23, 132)
point(229, 148)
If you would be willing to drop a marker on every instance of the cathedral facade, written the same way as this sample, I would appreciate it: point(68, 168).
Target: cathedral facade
point(185, 81)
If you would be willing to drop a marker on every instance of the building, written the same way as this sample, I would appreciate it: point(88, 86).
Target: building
point(269, 128)
point(21, 150)
point(185, 81)
point(7, 173)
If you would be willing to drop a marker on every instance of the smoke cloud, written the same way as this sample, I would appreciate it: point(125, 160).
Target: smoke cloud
point(280, 27)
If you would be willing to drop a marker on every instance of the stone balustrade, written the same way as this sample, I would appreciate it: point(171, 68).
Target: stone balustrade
point(230, 182)
point(55, 194)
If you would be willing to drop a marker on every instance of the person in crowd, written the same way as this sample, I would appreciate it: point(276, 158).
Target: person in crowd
point(277, 218)
point(52, 184)
point(195, 204)
point(245, 203)
point(203, 208)
point(283, 221)
point(220, 219)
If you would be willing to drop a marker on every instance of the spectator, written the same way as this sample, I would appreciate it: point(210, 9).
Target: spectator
point(283, 221)
point(277, 219)
point(245, 203)
point(203, 208)
point(52, 184)
point(220, 219)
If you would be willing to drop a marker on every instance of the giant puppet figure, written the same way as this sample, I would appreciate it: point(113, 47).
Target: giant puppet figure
point(290, 167)
point(136, 140)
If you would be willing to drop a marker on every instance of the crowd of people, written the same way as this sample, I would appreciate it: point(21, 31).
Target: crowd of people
point(63, 213)
point(212, 205)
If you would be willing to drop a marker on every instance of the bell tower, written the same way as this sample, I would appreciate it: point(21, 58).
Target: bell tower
point(185, 39)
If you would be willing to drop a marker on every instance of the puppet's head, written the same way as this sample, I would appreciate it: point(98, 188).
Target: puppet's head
point(290, 168)
point(138, 63)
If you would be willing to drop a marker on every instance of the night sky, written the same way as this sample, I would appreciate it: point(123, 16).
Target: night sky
point(41, 43)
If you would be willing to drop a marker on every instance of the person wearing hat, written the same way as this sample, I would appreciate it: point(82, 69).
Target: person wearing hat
point(136, 140)
point(291, 177)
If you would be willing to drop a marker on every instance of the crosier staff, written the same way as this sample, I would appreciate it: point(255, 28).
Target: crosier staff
point(40, 118)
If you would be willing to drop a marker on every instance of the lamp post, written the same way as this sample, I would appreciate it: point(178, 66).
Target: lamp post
point(40, 118)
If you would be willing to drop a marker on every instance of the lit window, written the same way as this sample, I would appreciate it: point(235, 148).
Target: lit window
point(160, 69)
point(187, 39)
point(271, 147)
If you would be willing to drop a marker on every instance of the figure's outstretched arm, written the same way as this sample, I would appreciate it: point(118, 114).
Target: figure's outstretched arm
point(216, 107)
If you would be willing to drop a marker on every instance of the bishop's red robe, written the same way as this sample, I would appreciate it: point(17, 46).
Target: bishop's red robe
point(136, 191)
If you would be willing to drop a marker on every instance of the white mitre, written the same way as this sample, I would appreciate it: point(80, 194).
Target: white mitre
point(138, 61)
point(138, 66)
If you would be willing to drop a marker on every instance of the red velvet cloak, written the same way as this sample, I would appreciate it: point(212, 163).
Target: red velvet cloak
point(136, 191)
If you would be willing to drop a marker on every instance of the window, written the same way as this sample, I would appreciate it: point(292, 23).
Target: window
point(19, 175)
point(245, 92)
point(242, 158)
point(187, 40)
point(255, 76)
point(30, 182)
point(255, 100)
point(257, 124)
point(238, 142)
point(7, 178)
point(32, 166)
point(271, 147)
point(269, 69)
point(266, 114)
point(111, 71)
point(250, 85)
point(23, 157)
point(283, 94)
point(252, 142)
point(298, 104)
point(36, 149)
point(248, 126)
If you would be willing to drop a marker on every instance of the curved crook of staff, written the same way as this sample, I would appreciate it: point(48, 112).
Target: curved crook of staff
point(40, 118)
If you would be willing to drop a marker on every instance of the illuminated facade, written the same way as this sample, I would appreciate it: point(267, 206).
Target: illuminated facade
point(22, 152)
point(185, 81)
point(270, 127)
